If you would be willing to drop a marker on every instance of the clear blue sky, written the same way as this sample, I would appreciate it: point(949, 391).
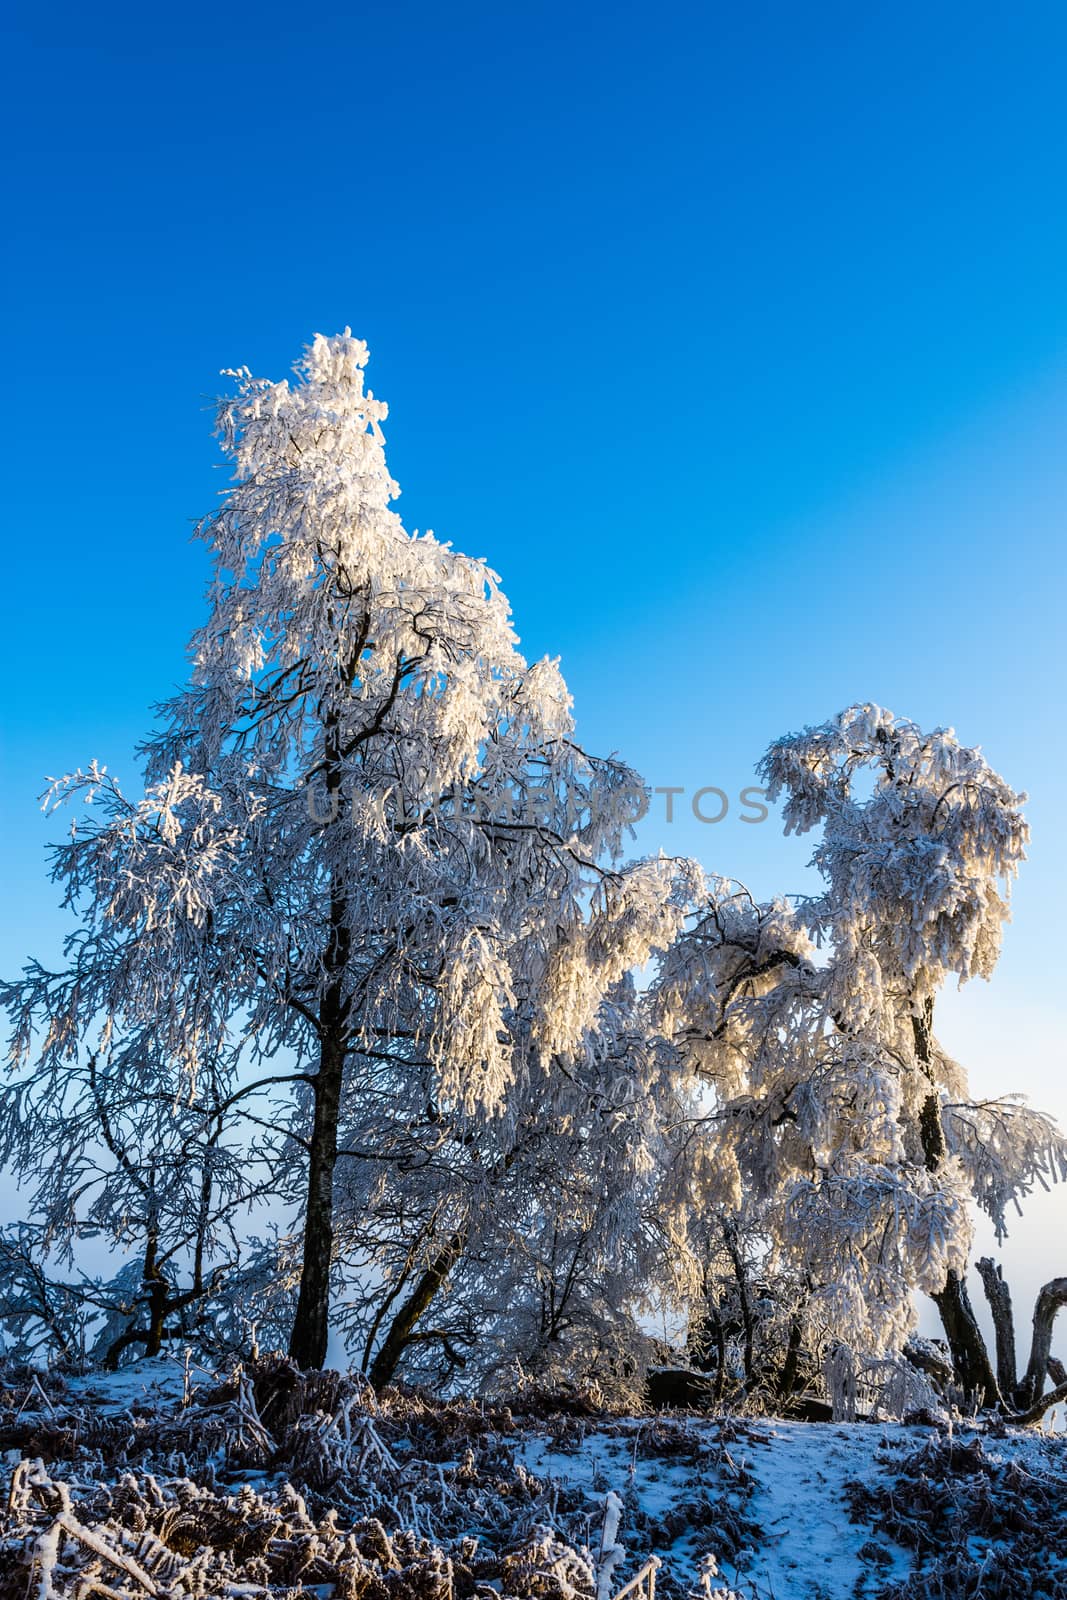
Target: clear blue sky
point(734, 336)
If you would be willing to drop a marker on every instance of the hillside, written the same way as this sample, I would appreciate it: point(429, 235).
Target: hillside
point(269, 1484)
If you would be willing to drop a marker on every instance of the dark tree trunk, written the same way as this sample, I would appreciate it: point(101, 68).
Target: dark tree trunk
point(1055, 1397)
point(706, 1347)
point(720, 1357)
point(155, 1297)
point(157, 1318)
point(311, 1325)
point(156, 1285)
point(403, 1329)
point(970, 1358)
point(1049, 1301)
point(403, 1326)
point(706, 1343)
point(999, 1297)
point(788, 1377)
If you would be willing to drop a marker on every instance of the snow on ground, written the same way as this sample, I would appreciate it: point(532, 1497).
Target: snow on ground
point(812, 1546)
point(802, 1542)
point(511, 1501)
point(155, 1381)
point(805, 1545)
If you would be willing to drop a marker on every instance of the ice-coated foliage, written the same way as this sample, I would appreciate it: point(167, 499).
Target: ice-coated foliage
point(548, 1220)
point(359, 716)
point(917, 870)
point(364, 953)
point(114, 1155)
point(370, 854)
point(836, 1128)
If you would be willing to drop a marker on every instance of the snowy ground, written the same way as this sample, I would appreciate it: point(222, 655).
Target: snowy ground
point(159, 1382)
point(809, 1546)
point(274, 1485)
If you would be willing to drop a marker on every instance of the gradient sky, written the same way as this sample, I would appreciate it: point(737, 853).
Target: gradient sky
point(734, 337)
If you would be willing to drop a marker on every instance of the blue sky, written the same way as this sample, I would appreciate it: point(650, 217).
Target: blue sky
point(734, 337)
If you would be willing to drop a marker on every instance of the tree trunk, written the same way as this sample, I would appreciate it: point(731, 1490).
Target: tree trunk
point(788, 1376)
point(970, 1358)
point(157, 1318)
point(999, 1297)
point(706, 1343)
point(729, 1229)
point(157, 1303)
point(720, 1357)
point(1023, 1419)
point(402, 1327)
point(311, 1325)
point(1049, 1301)
point(310, 1334)
point(156, 1285)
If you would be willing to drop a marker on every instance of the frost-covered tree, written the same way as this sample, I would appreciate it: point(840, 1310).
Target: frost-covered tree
point(838, 1129)
point(107, 1153)
point(41, 1319)
point(367, 837)
point(532, 1240)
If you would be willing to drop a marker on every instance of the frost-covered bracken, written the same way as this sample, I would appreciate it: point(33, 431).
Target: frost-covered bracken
point(263, 1482)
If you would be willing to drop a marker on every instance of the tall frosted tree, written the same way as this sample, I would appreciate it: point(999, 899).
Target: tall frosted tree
point(367, 835)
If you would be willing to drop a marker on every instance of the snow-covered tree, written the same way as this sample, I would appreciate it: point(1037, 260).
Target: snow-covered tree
point(367, 836)
point(838, 1129)
point(107, 1153)
point(532, 1240)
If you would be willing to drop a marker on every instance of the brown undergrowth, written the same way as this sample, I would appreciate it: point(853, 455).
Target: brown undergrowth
point(981, 1527)
point(272, 1482)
